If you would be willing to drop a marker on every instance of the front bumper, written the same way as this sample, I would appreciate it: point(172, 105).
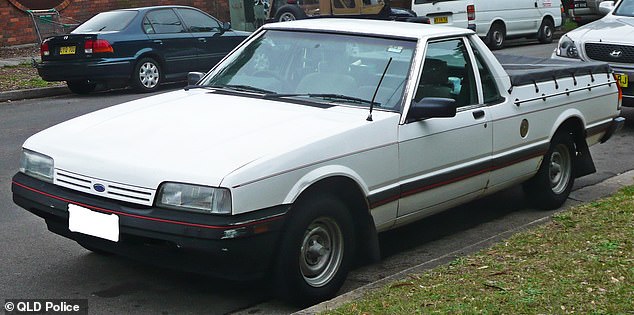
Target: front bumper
point(95, 70)
point(234, 247)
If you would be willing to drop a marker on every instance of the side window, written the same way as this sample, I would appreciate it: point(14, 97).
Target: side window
point(198, 21)
point(489, 88)
point(147, 26)
point(447, 73)
point(341, 4)
point(164, 21)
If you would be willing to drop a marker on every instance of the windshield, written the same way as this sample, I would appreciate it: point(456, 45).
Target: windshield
point(319, 67)
point(107, 21)
point(626, 8)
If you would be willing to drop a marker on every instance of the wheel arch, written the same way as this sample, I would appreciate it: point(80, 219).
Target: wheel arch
point(149, 53)
point(353, 194)
point(574, 124)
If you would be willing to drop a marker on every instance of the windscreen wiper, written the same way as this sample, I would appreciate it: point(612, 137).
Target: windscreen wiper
point(329, 96)
point(232, 87)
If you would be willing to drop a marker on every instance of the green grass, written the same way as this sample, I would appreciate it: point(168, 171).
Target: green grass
point(20, 77)
point(568, 25)
point(581, 262)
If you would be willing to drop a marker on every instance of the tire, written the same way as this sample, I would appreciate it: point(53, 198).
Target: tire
point(317, 250)
point(546, 32)
point(81, 86)
point(553, 182)
point(496, 36)
point(147, 75)
point(289, 13)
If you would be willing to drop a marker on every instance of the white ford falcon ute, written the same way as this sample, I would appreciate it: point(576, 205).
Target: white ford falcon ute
point(311, 137)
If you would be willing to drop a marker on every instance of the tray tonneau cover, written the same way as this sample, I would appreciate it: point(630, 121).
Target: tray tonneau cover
point(528, 70)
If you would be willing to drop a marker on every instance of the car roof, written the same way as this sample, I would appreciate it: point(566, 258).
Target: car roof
point(370, 27)
point(155, 7)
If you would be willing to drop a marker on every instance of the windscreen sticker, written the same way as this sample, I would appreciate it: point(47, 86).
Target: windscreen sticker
point(395, 49)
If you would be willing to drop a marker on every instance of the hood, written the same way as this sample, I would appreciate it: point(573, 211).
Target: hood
point(188, 136)
point(614, 29)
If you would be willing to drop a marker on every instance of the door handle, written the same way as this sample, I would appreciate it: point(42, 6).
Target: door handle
point(202, 40)
point(536, 4)
point(478, 114)
point(158, 41)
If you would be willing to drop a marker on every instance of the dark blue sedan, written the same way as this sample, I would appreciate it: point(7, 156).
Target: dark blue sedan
point(140, 47)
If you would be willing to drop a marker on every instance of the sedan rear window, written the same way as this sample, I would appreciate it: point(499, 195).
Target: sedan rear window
point(106, 21)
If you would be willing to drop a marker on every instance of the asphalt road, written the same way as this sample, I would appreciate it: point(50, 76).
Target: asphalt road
point(38, 264)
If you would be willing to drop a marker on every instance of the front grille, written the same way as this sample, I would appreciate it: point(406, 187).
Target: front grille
point(610, 52)
point(112, 190)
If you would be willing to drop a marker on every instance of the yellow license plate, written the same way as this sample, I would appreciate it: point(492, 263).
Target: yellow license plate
point(622, 79)
point(67, 50)
point(441, 19)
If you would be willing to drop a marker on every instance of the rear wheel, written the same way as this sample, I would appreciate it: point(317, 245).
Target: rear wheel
point(546, 31)
point(552, 184)
point(146, 76)
point(81, 86)
point(316, 251)
point(496, 36)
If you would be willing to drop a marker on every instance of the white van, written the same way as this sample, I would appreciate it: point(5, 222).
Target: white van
point(496, 20)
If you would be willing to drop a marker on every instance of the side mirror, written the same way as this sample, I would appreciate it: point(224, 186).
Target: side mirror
point(194, 77)
point(226, 26)
point(431, 107)
point(606, 7)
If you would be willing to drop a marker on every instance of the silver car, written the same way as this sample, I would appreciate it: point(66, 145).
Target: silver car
point(609, 39)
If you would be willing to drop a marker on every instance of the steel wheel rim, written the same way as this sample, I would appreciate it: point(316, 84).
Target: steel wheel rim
point(560, 170)
point(321, 253)
point(548, 32)
point(497, 38)
point(149, 75)
point(287, 16)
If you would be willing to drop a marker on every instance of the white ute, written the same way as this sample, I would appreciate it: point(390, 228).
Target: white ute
point(311, 137)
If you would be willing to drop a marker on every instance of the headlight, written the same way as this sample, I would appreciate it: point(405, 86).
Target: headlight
point(566, 48)
point(194, 198)
point(37, 165)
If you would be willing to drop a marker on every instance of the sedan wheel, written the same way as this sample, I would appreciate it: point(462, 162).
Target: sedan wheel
point(147, 75)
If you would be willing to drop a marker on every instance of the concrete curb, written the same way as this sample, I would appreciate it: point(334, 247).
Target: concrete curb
point(33, 93)
point(585, 194)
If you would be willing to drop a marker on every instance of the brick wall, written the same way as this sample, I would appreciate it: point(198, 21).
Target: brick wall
point(16, 26)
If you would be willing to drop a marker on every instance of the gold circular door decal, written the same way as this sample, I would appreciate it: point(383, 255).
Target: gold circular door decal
point(524, 128)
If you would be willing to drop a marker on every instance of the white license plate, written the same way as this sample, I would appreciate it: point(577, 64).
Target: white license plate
point(86, 221)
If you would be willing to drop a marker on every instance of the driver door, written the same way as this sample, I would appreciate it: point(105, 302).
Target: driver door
point(445, 161)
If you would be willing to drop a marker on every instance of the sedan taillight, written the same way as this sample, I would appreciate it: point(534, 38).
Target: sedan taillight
point(44, 51)
point(96, 46)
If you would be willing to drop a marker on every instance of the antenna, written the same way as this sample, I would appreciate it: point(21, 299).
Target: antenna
point(377, 89)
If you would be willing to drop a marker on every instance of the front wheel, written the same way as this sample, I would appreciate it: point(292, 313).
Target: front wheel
point(316, 251)
point(553, 182)
point(146, 76)
point(546, 32)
